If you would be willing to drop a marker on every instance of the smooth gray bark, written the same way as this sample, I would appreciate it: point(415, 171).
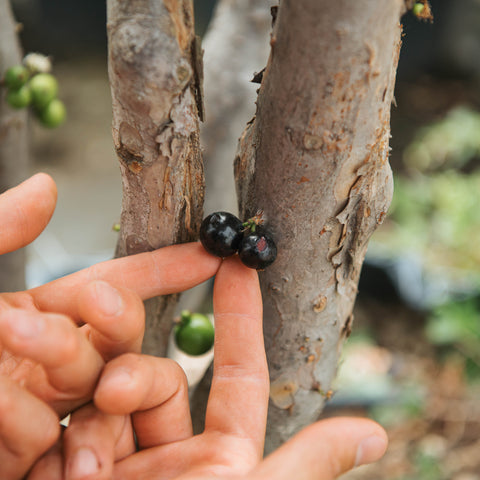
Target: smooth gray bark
point(315, 160)
point(14, 146)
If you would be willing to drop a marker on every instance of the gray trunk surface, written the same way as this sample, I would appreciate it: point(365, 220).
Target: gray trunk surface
point(14, 146)
point(315, 160)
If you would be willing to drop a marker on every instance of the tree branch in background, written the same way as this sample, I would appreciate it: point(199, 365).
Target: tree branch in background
point(315, 160)
point(152, 59)
point(236, 47)
point(14, 144)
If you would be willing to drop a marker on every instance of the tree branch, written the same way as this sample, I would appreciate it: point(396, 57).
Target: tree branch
point(316, 161)
point(14, 144)
point(152, 73)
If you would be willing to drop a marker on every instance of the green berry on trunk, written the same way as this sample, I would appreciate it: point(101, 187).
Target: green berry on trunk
point(44, 89)
point(53, 114)
point(16, 76)
point(194, 334)
point(20, 98)
point(418, 9)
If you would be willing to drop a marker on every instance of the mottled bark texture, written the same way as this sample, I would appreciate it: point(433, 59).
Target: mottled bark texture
point(14, 151)
point(315, 160)
point(154, 73)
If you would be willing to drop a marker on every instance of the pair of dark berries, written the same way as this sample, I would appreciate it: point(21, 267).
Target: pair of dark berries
point(223, 234)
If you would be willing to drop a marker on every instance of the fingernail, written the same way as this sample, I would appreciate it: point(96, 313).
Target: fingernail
point(121, 377)
point(108, 299)
point(370, 450)
point(84, 462)
point(25, 325)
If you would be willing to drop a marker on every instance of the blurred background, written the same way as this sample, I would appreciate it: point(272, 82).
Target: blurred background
point(413, 360)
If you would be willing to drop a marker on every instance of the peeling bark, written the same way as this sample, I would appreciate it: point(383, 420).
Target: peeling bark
point(14, 146)
point(315, 160)
point(153, 71)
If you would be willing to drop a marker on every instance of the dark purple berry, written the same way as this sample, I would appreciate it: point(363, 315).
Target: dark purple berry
point(257, 249)
point(221, 233)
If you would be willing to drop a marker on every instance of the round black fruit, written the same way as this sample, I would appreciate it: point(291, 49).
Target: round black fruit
point(221, 233)
point(257, 249)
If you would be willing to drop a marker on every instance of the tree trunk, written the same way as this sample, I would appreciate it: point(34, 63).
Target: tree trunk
point(315, 160)
point(155, 74)
point(13, 144)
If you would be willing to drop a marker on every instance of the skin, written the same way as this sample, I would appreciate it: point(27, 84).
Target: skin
point(45, 358)
point(77, 350)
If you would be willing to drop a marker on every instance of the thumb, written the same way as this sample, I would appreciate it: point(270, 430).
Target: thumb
point(325, 450)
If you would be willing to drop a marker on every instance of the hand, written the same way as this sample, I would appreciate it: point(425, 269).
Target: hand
point(49, 366)
point(98, 443)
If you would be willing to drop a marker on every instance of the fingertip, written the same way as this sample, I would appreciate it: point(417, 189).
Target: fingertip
point(234, 264)
point(120, 387)
point(114, 316)
point(46, 181)
point(373, 445)
point(26, 210)
point(327, 449)
point(45, 191)
point(237, 288)
point(99, 297)
point(367, 442)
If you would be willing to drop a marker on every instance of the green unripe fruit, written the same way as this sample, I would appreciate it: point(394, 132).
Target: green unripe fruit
point(44, 89)
point(16, 76)
point(194, 334)
point(54, 114)
point(418, 9)
point(20, 98)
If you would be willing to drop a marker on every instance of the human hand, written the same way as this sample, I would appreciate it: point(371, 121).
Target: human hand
point(49, 366)
point(154, 392)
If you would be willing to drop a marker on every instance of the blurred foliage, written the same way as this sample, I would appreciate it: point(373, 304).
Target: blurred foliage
point(435, 208)
point(437, 216)
point(456, 325)
point(450, 142)
point(427, 468)
point(409, 404)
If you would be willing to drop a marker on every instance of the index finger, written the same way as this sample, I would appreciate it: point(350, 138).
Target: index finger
point(240, 387)
point(25, 211)
point(161, 272)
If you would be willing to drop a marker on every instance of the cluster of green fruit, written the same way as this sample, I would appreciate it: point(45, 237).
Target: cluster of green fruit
point(29, 87)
